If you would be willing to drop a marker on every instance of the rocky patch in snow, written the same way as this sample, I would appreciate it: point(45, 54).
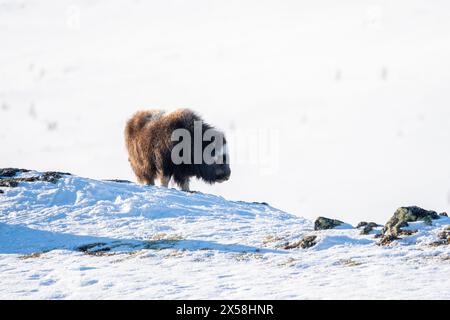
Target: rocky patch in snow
point(367, 227)
point(401, 219)
point(8, 177)
point(323, 223)
point(306, 242)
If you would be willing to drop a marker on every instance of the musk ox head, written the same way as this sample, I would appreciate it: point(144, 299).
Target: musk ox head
point(203, 149)
point(216, 166)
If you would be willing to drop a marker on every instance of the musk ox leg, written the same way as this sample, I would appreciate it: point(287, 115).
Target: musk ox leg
point(185, 185)
point(165, 181)
point(147, 181)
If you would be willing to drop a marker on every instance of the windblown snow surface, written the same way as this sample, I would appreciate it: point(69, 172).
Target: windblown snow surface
point(86, 239)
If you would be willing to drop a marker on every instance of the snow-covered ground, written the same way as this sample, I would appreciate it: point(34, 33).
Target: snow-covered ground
point(88, 239)
point(355, 93)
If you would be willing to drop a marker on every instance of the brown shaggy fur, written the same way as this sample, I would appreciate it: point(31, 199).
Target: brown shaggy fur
point(148, 140)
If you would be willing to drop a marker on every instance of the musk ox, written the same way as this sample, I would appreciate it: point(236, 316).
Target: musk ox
point(177, 145)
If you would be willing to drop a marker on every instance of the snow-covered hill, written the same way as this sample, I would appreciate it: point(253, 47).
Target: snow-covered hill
point(63, 236)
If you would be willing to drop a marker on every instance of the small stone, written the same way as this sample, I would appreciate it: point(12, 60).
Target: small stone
point(407, 232)
point(262, 203)
point(440, 243)
point(361, 224)
point(118, 180)
point(368, 227)
point(444, 235)
point(306, 242)
point(323, 223)
point(443, 214)
point(387, 240)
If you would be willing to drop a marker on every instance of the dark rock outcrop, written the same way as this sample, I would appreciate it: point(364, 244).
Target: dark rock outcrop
point(385, 240)
point(11, 172)
point(361, 224)
point(367, 227)
point(404, 215)
point(323, 223)
point(393, 228)
point(11, 181)
point(306, 242)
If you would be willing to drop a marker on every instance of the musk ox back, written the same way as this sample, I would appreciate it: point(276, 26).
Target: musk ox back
point(167, 146)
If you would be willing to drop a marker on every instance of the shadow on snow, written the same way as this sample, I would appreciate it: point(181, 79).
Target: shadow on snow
point(18, 239)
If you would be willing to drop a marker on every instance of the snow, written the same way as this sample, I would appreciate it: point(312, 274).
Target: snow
point(357, 92)
point(82, 238)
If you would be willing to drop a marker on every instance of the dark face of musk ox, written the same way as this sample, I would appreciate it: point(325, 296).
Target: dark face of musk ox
point(206, 152)
point(219, 170)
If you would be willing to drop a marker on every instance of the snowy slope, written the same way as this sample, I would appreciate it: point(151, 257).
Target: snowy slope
point(88, 239)
point(357, 91)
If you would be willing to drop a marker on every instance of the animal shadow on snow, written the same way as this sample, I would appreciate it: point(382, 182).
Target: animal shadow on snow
point(18, 239)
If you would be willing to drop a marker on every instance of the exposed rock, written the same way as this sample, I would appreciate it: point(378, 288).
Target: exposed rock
point(387, 240)
point(442, 242)
point(404, 215)
point(407, 232)
point(9, 182)
point(348, 263)
point(11, 172)
point(368, 227)
point(271, 239)
point(118, 180)
point(361, 224)
point(263, 203)
point(1, 191)
point(306, 242)
point(400, 219)
point(323, 223)
point(89, 247)
point(12, 182)
point(444, 235)
point(444, 238)
point(443, 214)
point(378, 235)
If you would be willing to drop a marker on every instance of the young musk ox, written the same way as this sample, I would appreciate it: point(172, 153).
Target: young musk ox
point(152, 142)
